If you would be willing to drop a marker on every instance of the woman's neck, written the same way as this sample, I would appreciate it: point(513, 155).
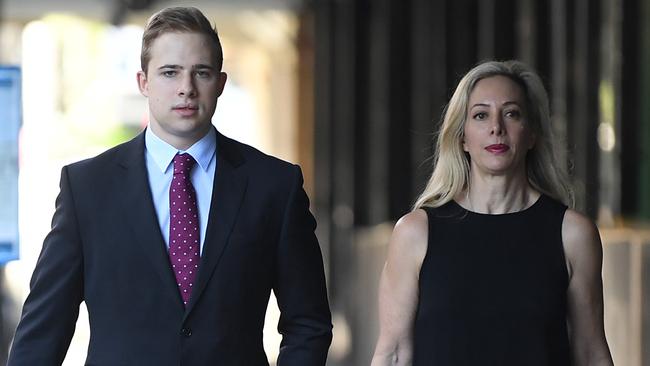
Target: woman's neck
point(491, 194)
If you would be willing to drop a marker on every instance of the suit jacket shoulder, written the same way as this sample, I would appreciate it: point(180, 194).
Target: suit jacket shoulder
point(238, 152)
point(258, 165)
point(127, 153)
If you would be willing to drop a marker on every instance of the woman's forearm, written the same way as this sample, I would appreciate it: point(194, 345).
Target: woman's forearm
point(397, 356)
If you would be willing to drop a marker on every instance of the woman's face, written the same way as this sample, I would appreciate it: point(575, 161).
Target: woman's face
point(497, 133)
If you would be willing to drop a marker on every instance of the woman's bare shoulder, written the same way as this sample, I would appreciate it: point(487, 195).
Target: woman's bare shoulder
point(578, 229)
point(581, 240)
point(410, 235)
point(412, 226)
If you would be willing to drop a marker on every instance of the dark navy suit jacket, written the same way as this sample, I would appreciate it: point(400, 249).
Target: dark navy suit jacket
point(105, 248)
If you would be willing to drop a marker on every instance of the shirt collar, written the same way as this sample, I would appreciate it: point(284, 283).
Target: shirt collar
point(202, 151)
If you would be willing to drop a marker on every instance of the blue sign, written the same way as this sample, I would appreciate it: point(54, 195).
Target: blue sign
point(10, 120)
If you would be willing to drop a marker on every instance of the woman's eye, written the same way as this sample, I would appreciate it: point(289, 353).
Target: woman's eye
point(480, 115)
point(513, 114)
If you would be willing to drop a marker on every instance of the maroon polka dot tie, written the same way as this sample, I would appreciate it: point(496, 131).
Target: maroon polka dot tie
point(184, 226)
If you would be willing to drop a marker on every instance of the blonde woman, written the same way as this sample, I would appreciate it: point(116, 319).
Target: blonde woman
point(491, 267)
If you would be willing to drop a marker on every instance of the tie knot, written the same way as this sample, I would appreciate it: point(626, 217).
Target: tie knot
point(183, 163)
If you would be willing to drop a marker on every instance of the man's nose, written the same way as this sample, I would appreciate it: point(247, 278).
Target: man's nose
point(187, 87)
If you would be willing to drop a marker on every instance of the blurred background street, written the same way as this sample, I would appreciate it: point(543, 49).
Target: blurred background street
point(352, 90)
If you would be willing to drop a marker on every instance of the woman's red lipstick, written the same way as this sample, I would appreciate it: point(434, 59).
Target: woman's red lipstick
point(498, 148)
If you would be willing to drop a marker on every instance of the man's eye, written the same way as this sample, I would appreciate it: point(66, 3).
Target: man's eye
point(169, 73)
point(203, 74)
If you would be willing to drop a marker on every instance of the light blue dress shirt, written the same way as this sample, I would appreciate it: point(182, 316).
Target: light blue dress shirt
point(159, 156)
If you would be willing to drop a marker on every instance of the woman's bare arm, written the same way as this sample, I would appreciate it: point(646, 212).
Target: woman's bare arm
point(584, 257)
point(398, 290)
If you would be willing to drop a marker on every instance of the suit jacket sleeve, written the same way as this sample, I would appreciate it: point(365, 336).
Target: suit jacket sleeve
point(56, 290)
point(305, 321)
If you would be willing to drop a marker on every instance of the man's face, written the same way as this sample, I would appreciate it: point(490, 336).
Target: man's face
point(182, 84)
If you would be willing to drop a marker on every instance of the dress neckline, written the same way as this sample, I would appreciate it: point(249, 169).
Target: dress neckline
point(526, 209)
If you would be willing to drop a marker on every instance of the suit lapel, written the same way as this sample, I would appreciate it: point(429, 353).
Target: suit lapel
point(230, 184)
point(140, 214)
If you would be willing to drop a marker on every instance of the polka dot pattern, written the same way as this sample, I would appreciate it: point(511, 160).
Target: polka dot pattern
point(183, 226)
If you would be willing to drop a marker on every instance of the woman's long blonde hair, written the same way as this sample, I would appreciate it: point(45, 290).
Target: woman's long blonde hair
point(451, 165)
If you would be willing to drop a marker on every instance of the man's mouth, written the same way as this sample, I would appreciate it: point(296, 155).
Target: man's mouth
point(185, 107)
point(186, 110)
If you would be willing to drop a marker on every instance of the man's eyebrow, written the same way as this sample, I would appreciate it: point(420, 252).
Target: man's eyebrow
point(179, 67)
point(202, 66)
point(170, 66)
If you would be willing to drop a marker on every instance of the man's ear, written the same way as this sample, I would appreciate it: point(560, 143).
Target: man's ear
point(221, 83)
point(143, 84)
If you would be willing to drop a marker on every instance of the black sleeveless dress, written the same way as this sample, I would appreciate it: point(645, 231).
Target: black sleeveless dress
point(492, 288)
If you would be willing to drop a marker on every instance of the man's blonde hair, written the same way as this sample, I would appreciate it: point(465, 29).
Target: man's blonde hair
point(178, 19)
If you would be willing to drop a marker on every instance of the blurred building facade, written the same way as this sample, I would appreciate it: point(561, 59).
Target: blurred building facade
point(384, 72)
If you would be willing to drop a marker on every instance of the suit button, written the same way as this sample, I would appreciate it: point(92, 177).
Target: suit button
point(186, 332)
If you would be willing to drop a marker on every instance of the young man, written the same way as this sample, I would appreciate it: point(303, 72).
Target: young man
point(176, 238)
